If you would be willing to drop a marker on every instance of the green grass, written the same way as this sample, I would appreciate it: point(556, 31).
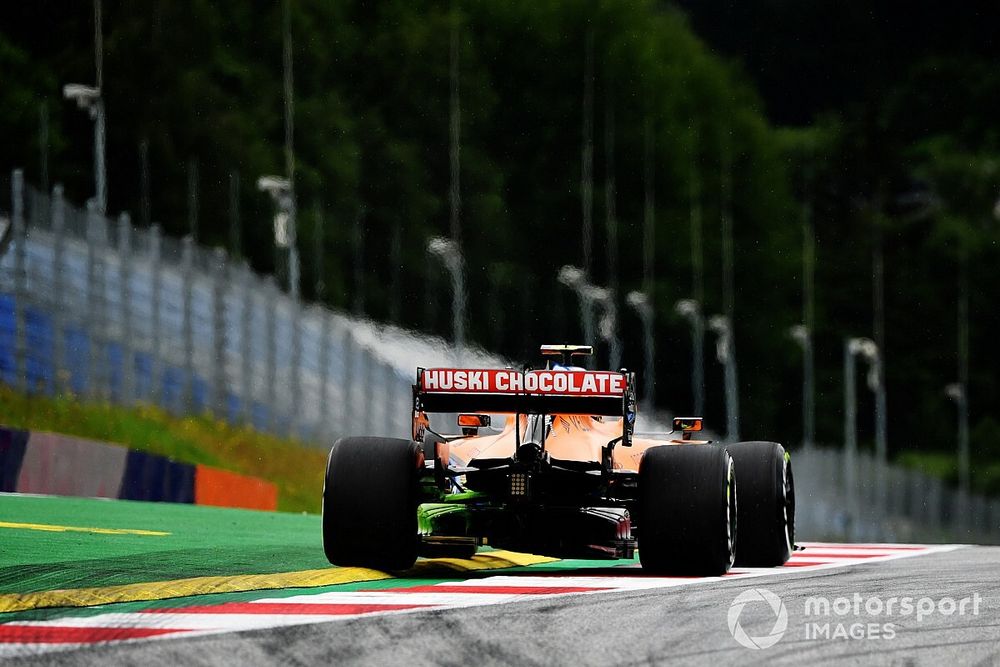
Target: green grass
point(294, 467)
point(203, 541)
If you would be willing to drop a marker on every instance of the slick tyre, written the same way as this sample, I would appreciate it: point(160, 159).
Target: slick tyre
point(687, 510)
point(767, 504)
point(370, 503)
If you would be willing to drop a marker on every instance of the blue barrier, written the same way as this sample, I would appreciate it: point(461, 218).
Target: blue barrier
point(12, 446)
point(150, 477)
point(8, 333)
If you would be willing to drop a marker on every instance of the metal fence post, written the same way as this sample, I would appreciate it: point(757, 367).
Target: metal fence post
point(367, 393)
point(980, 517)
point(125, 287)
point(405, 406)
point(295, 373)
point(850, 444)
point(94, 317)
point(187, 326)
point(156, 288)
point(388, 398)
point(348, 385)
point(219, 281)
point(58, 212)
point(398, 405)
point(961, 519)
point(246, 347)
point(20, 280)
point(324, 372)
point(376, 396)
point(935, 502)
point(271, 378)
point(916, 508)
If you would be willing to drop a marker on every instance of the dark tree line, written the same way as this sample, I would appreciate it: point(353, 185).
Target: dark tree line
point(884, 124)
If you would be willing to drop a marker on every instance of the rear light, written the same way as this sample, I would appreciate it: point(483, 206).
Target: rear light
point(687, 424)
point(519, 484)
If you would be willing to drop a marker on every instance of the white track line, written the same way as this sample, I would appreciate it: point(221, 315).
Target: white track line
point(429, 599)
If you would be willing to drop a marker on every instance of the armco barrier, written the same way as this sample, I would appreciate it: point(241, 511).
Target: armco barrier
point(48, 463)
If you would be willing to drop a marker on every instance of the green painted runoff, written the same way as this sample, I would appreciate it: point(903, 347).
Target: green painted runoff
point(202, 541)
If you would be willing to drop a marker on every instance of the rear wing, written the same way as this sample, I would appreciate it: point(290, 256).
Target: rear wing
point(508, 391)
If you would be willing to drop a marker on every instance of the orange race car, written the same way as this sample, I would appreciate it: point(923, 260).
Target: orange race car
point(547, 461)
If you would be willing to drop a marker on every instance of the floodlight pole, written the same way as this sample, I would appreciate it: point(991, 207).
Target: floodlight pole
point(91, 99)
point(727, 321)
point(576, 278)
point(690, 309)
point(958, 393)
point(640, 302)
point(866, 348)
point(850, 438)
point(802, 335)
point(450, 255)
point(608, 326)
point(289, 95)
point(722, 326)
point(280, 190)
point(589, 295)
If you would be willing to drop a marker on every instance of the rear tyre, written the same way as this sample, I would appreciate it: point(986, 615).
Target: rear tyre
point(370, 503)
point(687, 510)
point(767, 504)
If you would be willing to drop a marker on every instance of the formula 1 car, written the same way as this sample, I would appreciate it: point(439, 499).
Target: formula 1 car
point(562, 474)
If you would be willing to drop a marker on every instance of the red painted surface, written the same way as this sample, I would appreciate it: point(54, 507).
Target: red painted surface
point(887, 547)
point(290, 608)
point(222, 488)
point(54, 634)
point(810, 563)
point(496, 590)
point(809, 553)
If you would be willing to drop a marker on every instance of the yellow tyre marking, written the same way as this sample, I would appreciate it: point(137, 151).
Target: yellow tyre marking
point(161, 590)
point(78, 529)
point(489, 560)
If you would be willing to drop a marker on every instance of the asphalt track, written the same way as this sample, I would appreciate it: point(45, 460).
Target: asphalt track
point(679, 622)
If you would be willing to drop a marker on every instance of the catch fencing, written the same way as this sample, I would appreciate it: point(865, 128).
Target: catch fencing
point(101, 309)
point(860, 501)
